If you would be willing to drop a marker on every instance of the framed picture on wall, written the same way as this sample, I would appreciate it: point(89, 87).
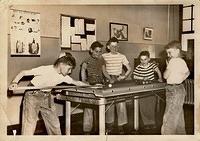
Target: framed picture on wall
point(119, 30)
point(25, 33)
point(148, 33)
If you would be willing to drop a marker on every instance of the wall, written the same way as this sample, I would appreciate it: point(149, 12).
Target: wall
point(136, 16)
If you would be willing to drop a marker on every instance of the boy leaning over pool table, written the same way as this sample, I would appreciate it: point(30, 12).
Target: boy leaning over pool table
point(36, 101)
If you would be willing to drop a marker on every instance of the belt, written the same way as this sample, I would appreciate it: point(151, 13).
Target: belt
point(174, 84)
point(47, 94)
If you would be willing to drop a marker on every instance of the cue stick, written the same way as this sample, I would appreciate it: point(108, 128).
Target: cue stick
point(48, 87)
point(22, 89)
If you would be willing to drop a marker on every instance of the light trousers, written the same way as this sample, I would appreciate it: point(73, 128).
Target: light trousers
point(35, 102)
point(121, 114)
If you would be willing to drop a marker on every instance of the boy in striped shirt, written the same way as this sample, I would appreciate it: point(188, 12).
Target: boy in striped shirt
point(114, 62)
point(145, 71)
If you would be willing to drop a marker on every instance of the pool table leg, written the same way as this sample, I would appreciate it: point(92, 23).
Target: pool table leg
point(102, 119)
point(68, 118)
point(136, 114)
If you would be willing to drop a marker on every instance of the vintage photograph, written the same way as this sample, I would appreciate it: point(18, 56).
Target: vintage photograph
point(148, 33)
point(122, 70)
point(119, 30)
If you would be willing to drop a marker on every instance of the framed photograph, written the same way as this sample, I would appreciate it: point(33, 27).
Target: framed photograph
point(119, 30)
point(148, 33)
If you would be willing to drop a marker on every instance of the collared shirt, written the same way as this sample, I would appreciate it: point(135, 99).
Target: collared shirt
point(45, 76)
point(177, 69)
point(114, 63)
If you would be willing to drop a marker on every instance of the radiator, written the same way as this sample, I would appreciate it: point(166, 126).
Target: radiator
point(189, 87)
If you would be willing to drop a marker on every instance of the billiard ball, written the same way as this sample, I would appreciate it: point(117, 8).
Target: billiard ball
point(109, 85)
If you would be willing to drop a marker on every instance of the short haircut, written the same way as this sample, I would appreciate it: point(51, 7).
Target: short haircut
point(68, 60)
point(144, 53)
point(68, 54)
point(64, 54)
point(95, 45)
point(173, 44)
point(113, 39)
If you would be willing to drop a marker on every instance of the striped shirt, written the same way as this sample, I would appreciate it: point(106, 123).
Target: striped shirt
point(146, 72)
point(114, 63)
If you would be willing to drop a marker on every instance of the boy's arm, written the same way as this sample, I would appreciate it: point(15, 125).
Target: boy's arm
point(137, 77)
point(166, 73)
point(128, 67)
point(105, 73)
point(16, 80)
point(67, 79)
point(186, 75)
point(83, 72)
point(79, 83)
point(157, 70)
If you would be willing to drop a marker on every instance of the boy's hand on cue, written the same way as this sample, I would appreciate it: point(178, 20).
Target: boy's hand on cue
point(13, 86)
point(121, 77)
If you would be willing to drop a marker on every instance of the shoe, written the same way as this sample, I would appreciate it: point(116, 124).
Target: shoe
point(121, 130)
point(109, 128)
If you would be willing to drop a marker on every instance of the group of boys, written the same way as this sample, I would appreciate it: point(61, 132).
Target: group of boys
point(99, 68)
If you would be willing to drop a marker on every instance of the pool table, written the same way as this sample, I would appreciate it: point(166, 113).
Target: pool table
point(101, 95)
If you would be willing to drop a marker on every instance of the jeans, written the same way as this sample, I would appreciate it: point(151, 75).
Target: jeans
point(35, 102)
point(173, 120)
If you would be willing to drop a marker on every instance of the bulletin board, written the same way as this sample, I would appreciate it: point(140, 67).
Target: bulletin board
point(24, 33)
point(77, 33)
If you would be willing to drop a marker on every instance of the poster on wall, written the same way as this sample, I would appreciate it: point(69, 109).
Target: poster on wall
point(25, 33)
point(77, 33)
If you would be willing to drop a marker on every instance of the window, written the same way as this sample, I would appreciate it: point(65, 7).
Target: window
point(188, 18)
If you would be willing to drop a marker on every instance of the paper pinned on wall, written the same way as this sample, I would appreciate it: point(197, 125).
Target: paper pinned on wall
point(79, 26)
point(65, 32)
point(76, 23)
point(72, 31)
point(90, 40)
point(76, 39)
point(83, 44)
point(76, 47)
point(66, 41)
point(65, 25)
point(90, 27)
